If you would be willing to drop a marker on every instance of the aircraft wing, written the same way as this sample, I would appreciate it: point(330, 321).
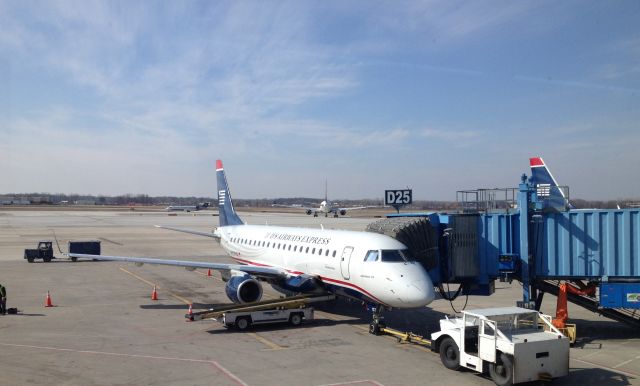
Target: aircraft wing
point(260, 272)
point(357, 207)
point(206, 234)
point(297, 207)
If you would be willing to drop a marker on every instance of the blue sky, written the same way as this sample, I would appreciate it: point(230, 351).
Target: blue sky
point(111, 97)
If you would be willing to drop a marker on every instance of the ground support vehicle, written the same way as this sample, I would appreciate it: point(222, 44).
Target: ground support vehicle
point(292, 309)
point(242, 320)
point(514, 344)
point(44, 252)
point(91, 247)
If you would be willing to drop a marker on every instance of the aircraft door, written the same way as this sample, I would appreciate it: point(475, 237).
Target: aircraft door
point(345, 259)
point(487, 341)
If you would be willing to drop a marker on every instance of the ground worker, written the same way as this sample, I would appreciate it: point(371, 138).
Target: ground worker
point(3, 300)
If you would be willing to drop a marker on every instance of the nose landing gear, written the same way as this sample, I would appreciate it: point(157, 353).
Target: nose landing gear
point(378, 320)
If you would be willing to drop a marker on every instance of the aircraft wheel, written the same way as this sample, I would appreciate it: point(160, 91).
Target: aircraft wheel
point(295, 319)
point(450, 354)
point(243, 323)
point(502, 372)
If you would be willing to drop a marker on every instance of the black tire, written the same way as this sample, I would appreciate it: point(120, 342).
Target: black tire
point(243, 323)
point(30, 259)
point(295, 319)
point(502, 372)
point(74, 259)
point(374, 329)
point(46, 259)
point(450, 354)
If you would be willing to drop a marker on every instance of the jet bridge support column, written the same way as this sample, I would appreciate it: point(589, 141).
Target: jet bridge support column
point(523, 207)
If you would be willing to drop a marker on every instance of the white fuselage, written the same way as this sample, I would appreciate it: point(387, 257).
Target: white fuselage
point(337, 258)
point(183, 208)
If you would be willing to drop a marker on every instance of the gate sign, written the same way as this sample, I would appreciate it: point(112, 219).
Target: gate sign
point(397, 198)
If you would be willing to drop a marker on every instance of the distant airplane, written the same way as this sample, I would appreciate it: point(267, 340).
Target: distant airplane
point(367, 266)
point(327, 207)
point(187, 208)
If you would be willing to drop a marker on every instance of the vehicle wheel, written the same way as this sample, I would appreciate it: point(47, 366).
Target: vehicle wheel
point(74, 259)
point(450, 354)
point(47, 259)
point(30, 259)
point(295, 319)
point(243, 323)
point(502, 372)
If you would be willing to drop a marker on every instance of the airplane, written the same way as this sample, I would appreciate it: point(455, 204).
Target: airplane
point(326, 207)
point(187, 208)
point(546, 185)
point(369, 267)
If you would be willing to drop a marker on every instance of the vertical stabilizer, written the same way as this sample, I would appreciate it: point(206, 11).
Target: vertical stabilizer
point(546, 185)
point(227, 214)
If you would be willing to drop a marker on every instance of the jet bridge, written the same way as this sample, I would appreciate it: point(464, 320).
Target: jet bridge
point(532, 237)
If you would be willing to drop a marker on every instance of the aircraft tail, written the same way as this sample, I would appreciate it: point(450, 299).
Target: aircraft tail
point(227, 214)
point(546, 185)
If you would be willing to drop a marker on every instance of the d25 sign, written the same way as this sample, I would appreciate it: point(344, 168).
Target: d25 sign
point(397, 197)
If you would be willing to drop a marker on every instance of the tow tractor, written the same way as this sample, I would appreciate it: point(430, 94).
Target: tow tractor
point(514, 344)
point(293, 310)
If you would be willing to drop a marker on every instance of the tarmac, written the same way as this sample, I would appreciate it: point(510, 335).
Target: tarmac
point(106, 330)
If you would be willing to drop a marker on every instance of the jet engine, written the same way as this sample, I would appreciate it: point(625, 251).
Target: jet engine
point(343, 212)
point(243, 289)
point(308, 211)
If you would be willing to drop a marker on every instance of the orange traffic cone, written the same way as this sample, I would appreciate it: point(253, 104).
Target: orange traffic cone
point(48, 302)
point(154, 294)
point(209, 272)
point(189, 314)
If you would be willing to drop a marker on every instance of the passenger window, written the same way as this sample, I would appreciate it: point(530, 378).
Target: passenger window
point(334, 254)
point(268, 245)
point(371, 256)
point(307, 251)
point(326, 253)
point(320, 252)
point(313, 251)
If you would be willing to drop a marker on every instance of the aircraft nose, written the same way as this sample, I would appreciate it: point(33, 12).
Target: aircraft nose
point(419, 293)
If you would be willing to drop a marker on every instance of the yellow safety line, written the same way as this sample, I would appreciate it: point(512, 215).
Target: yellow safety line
point(185, 301)
point(265, 341)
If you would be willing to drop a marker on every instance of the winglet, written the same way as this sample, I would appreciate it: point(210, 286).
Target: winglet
point(218, 165)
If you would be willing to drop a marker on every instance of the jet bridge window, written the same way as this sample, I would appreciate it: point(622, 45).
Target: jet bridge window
point(371, 256)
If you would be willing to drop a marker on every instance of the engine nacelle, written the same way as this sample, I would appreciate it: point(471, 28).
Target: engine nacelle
point(308, 211)
point(343, 212)
point(243, 289)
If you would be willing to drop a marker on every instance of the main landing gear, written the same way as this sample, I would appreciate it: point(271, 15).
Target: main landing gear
point(378, 320)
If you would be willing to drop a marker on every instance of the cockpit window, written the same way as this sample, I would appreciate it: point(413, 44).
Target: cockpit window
point(371, 256)
point(395, 256)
